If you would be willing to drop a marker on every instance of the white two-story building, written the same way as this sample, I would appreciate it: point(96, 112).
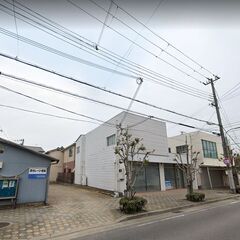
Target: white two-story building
point(212, 170)
point(97, 166)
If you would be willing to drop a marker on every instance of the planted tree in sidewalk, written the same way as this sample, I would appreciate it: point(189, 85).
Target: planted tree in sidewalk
point(189, 170)
point(133, 154)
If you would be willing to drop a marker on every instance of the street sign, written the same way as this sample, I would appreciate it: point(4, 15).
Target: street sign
point(37, 173)
point(226, 161)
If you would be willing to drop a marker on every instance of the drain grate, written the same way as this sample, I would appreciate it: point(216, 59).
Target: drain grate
point(4, 224)
point(177, 211)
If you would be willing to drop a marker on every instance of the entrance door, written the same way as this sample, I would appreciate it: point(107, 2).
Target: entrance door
point(152, 177)
point(148, 178)
point(170, 181)
point(217, 178)
point(174, 177)
point(140, 184)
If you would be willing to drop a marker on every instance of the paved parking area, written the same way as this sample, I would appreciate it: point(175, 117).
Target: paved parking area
point(74, 209)
point(70, 208)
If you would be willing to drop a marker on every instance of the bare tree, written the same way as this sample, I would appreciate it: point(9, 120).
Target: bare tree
point(190, 168)
point(131, 152)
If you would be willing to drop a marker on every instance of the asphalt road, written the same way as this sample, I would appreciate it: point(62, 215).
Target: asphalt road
point(216, 223)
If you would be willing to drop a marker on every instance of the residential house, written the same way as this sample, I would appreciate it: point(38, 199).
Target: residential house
point(69, 158)
point(212, 170)
point(35, 148)
point(56, 168)
point(64, 170)
point(97, 166)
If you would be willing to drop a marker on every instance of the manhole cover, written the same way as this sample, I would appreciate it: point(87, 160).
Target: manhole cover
point(4, 224)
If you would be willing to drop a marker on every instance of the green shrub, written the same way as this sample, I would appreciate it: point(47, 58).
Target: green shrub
point(132, 205)
point(195, 197)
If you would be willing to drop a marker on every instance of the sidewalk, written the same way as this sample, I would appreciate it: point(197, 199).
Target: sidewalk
point(176, 198)
point(74, 209)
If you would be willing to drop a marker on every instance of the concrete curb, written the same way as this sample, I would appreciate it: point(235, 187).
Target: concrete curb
point(130, 217)
point(156, 212)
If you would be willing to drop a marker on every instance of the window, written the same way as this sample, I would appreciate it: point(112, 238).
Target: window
point(70, 152)
point(78, 149)
point(209, 149)
point(181, 149)
point(111, 140)
point(169, 150)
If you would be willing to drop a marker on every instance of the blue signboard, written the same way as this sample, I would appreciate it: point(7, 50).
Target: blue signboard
point(168, 184)
point(8, 188)
point(37, 173)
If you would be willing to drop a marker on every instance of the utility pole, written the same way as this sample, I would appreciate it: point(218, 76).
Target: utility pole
point(224, 142)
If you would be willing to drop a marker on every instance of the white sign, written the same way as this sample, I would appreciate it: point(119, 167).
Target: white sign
point(37, 173)
point(12, 184)
point(5, 184)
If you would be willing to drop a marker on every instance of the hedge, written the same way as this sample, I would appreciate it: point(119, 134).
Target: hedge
point(195, 197)
point(132, 205)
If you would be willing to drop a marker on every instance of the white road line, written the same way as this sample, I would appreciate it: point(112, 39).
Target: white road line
point(148, 223)
point(169, 218)
point(188, 213)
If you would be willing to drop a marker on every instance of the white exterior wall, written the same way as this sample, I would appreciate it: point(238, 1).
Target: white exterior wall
point(80, 175)
point(194, 139)
point(100, 159)
point(101, 167)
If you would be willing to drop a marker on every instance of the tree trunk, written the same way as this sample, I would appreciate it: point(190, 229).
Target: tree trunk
point(190, 187)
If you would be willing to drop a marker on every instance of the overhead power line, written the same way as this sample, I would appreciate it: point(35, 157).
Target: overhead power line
point(138, 45)
point(163, 39)
point(44, 47)
point(76, 119)
point(133, 99)
point(78, 81)
point(49, 104)
point(46, 114)
point(229, 94)
point(148, 40)
point(183, 89)
point(95, 119)
point(65, 55)
point(78, 40)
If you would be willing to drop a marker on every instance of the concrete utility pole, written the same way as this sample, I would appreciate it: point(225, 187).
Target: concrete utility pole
point(224, 143)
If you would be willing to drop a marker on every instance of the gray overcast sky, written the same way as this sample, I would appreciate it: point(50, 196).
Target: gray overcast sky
point(207, 31)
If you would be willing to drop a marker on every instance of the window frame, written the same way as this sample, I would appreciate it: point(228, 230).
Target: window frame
point(78, 149)
point(109, 138)
point(70, 152)
point(209, 149)
point(185, 147)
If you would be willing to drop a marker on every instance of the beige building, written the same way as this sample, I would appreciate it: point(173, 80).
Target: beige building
point(212, 170)
point(69, 158)
point(56, 168)
point(64, 170)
